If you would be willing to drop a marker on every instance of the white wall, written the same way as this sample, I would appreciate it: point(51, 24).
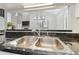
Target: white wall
point(76, 20)
point(71, 17)
point(62, 19)
point(73, 22)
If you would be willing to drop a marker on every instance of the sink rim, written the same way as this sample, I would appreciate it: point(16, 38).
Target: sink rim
point(33, 47)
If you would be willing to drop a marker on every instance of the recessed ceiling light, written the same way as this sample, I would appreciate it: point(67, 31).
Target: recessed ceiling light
point(37, 5)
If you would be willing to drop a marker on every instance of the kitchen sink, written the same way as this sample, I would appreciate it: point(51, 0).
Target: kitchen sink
point(49, 43)
point(22, 42)
point(40, 45)
point(26, 41)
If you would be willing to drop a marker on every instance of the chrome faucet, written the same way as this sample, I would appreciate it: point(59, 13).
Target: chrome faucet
point(35, 31)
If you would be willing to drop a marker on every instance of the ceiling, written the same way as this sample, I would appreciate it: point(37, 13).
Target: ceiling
point(19, 6)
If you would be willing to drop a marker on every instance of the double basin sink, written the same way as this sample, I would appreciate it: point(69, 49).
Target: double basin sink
point(42, 44)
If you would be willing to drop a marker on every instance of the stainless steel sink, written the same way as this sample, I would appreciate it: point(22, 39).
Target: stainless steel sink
point(49, 43)
point(26, 41)
point(22, 42)
point(40, 44)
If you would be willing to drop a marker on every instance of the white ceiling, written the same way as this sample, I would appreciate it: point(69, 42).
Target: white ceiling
point(17, 5)
point(12, 6)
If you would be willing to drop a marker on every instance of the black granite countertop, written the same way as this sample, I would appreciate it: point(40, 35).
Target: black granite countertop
point(37, 30)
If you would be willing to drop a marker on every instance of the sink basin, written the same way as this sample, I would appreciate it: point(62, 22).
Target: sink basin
point(49, 43)
point(43, 44)
point(22, 42)
point(26, 41)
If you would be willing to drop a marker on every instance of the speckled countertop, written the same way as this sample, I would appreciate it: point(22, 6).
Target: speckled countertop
point(74, 46)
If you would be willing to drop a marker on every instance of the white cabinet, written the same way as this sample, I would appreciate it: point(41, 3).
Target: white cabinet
point(51, 20)
point(2, 38)
point(55, 20)
point(43, 20)
point(2, 23)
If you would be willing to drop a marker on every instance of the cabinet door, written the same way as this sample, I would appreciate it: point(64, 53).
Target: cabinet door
point(2, 23)
point(16, 19)
point(2, 38)
point(33, 20)
point(42, 17)
point(51, 20)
